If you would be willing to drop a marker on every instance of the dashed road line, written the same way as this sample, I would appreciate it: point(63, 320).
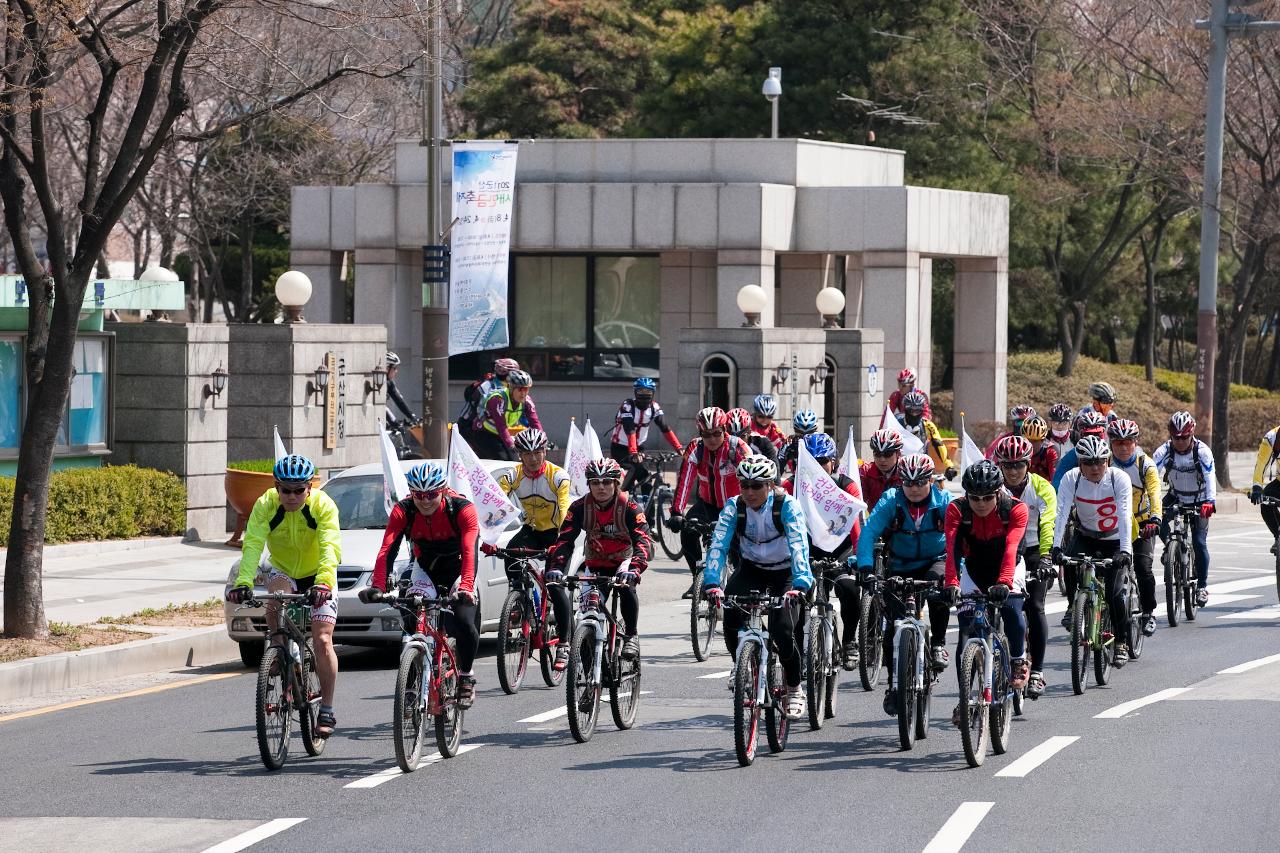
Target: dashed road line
point(563, 711)
point(1125, 707)
point(1271, 611)
point(724, 674)
point(1035, 757)
point(384, 776)
point(1242, 584)
point(956, 831)
point(1248, 665)
point(253, 836)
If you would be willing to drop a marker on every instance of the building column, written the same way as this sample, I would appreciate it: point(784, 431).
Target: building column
point(981, 338)
point(897, 296)
point(801, 276)
point(736, 268)
point(388, 292)
point(328, 297)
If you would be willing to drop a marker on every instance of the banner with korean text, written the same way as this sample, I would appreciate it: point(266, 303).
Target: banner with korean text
point(468, 477)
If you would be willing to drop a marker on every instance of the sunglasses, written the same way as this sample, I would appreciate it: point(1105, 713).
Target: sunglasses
point(877, 454)
point(1013, 464)
point(981, 499)
point(599, 482)
point(296, 490)
point(752, 485)
point(1093, 463)
point(426, 496)
point(715, 433)
point(917, 483)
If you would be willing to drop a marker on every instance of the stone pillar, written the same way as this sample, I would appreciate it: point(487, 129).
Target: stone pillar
point(896, 297)
point(981, 338)
point(687, 299)
point(328, 302)
point(388, 292)
point(736, 268)
point(859, 382)
point(801, 276)
point(164, 420)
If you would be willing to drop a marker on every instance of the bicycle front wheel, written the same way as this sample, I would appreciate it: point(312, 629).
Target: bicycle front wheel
point(1171, 586)
point(581, 696)
point(1106, 648)
point(408, 710)
point(1002, 700)
point(870, 643)
point(815, 672)
point(624, 692)
point(667, 538)
point(513, 642)
point(746, 715)
point(776, 723)
point(274, 718)
point(703, 617)
point(975, 733)
point(449, 720)
point(1080, 621)
point(904, 659)
point(310, 712)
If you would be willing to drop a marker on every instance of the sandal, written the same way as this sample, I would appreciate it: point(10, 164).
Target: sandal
point(326, 722)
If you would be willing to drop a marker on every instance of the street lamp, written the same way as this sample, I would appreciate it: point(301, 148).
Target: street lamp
point(830, 302)
point(376, 380)
point(751, 302)
point(772, 90)
point(293, 289)
point(318, 382)
point(217, 382)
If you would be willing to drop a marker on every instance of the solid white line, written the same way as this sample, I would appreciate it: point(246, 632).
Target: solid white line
point(1038, 756)
point(724, 674)
point(1271, 611)
point(956, 831)
point(546, 715)
point(1229, 598)
point(1125, 707)
point(1248, 665)
point(384, 776)
point(253, 836)
point(1242, 584)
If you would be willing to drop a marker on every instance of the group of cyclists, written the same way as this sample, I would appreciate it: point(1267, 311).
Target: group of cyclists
point(1068, 483)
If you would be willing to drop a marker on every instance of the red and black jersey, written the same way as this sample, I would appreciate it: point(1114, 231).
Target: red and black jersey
point(450, 531)
point(875, 484)
point(989, 545)
point(713, 473)
point(614, 532)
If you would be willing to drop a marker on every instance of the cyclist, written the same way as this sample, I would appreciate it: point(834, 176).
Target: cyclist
point(506, 411)
point(911, 518)
point(881, 473)
point(1267, 453)
point(1018, 415)
point(805, 423)
point(631, 431)
point(906, 384)
point(1187, 465)
point(985, 528)
point(474, 395)
point(394, 395)
point(1014, 455)
point(616, 532)
point(1044, 458)
point(543, 491)
point(442, 528)
point(1060, 419)
point(763, 409)
point(913, 409)
point(1090, 423)
point(1129, 458)
point(762, 530)
point(740, 425)
point(1103, 397)
point(1102, 497)
point(706, 481)
point(299, 526)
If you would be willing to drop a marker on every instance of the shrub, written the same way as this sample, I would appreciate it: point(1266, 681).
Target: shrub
point(257, 466)
point(115, 502)
point(1183, 385)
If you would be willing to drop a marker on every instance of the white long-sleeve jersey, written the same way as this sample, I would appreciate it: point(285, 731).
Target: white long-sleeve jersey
point(1104, 509)
point(1189, 475)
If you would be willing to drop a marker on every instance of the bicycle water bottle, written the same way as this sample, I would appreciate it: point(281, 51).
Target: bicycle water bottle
point(537, 598)
point(294, 653)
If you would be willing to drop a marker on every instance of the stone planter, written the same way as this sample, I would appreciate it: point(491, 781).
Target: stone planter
point(953, 450)
point(243, 490)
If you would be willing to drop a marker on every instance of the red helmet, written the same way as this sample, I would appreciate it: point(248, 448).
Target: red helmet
point(1021, 413)
point(885, 441)
point(1181, 425)
point(739, 421)
point(1013, 448)
point(710, 418)
point(907, 375)
point(1122, 429)
point(503, 366)
point(915, 468)
point(1092, 422)
point(604, 469)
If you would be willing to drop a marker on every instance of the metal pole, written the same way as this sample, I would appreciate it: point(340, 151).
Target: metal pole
point(795, 381)
point(775, 118)
point(435, 316)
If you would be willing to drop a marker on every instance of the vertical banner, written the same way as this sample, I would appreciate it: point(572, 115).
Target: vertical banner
point(469, 478)
point(593, 441)
point(483, 189)
point(829, 511)
point(395, 485)
point(969, 452)
point(575, 460)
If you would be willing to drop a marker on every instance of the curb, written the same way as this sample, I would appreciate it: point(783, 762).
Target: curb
point(22, 679)
point(103, 546)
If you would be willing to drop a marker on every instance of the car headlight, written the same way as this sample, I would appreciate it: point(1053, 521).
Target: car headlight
point(241, 623)
point(391, 623)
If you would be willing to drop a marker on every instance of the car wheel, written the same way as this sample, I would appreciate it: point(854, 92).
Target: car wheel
point(251, 653)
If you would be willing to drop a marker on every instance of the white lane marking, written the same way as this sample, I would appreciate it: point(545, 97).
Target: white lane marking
point(1229, 598)
point(1125, 707)
point(384, 776)
point(956, 831)
point(563, 711)
point(1248, 665)
point(1242, 584)
point(1037, 756)
point(724, 674)
point(1269, 612)
point(253, 836)
point(1264, 534)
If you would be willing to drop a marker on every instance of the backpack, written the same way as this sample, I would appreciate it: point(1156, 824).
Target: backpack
point(1195, 459)
point(740, 523)
point(451, 504)
point(900, 520)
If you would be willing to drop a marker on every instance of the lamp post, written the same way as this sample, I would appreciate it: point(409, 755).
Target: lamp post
point(293, 289)
point(830, 302)
point(772, 91)
point(751, 302)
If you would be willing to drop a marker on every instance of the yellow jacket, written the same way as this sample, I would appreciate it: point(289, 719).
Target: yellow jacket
point(1266, 455)
point(545, 499)
point(928, 432)
point(303, 543)
point(1145, 477)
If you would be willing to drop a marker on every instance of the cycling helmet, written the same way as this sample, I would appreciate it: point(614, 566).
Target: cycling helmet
point(983, 477)
point(1122, 429)
point(1181, 425)
point(764, 404)
point(1035, 429)
point(739, 421)
point(805, 421)
point(1011, 448)
point(821, 446)
point(645, 387)
point(604, 469)
point(1021, 413)
point(1093, 448)
point(885, 441)
point(530, 440)
point(913, 403)
point(294, 469)
point(426, 477)
point(504, 366)
point(393, 360)
point(710, 418)
point(757, 467)
point(915, 469)
point(1103, 392)
point(519, 379)
point(1060, 412)
point(906, 375)
point(1091, 423)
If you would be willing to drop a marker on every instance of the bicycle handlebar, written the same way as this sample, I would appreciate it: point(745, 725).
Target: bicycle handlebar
point(1076, 562)
point(752, 600)
point(575, 580)
point(519, 553)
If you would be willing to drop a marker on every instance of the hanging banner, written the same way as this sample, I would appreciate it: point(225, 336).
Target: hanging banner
point(829, 511)
point(575, 460)
point(483, 190)
point(468, 477)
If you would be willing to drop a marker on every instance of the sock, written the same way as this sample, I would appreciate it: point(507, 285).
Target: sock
point(326, 709)
point(467, 674)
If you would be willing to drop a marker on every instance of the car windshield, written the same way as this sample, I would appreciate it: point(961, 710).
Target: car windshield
point(359, 500)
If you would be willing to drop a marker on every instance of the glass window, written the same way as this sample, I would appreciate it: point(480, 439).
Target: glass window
point(625, 365)
point(551, 302)
point(626, 302)
point(87, 410)
point(719, 384)
point(10, 391)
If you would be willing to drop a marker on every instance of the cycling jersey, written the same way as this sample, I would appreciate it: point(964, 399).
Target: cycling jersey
point(927, 431)
point(615, 533)
point(544, 496)
point(1266, 456)
point(302, 544)
point(712, 473)
point(895, 406)
point(990, 546)
point(762, 543)
point(501, 415)
point(915, 534)
point(771, 432)
point(1146, 487)
point(1189, 475)
point(875, 483)
point(631, 426)
point(449, 534)
point(1044, 460)
point(1042, 508)
point(1104, 509)
point(1061, 443)
point(1069, 461)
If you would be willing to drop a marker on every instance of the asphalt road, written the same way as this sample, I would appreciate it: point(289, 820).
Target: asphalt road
point(175, 767)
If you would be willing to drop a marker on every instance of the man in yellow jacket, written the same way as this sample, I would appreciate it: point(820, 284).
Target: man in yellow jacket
point(1145, 477)
point(1267, 454)
point(300, 526)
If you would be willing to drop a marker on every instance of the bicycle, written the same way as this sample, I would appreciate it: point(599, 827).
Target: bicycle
point(1090, 624)
point(703, 615)
point(1268, 500)
point(287, 682)
point(656, 503)
point(427, 680)
point(758, 683)
point(596, 662)
point(528, 622)
point(1179, 565)
point(914, 675)
point(872, 625)
point(987, 701)
point(1133, 606)
point(407, 437)
point(822, 652)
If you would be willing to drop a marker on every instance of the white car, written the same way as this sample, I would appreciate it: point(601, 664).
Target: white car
point(358, 492)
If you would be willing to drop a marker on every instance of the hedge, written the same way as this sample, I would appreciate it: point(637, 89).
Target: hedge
point(1183, 385)
point(256, 466)
point(115, 502)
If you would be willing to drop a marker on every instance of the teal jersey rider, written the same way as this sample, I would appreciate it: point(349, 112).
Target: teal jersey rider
point(916, 533)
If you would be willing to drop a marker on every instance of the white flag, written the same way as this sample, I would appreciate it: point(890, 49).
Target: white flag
point(394, 484)
point(969, 452)
point(829, 511)
point(575, 461)
point(910, 443)
point(849, 462)
point(280, 449)
point(469, 478)
point(593, 441)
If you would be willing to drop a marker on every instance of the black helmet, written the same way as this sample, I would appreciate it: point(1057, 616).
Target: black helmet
point(982, 478)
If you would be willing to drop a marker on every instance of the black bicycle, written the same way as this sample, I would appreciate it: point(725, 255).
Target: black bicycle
point(657, 500)
point(1180, 564)
point(704, 615)
point(596, 662)
point(822, 649)
point(872, 624)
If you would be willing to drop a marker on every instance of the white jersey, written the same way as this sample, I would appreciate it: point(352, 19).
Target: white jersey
point(1060, 445)
point(1104, 509)
point(1189, 475)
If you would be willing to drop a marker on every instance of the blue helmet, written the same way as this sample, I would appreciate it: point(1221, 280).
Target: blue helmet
point(645, 385)
point(821, 445)
point(294, 469)
point(426, 477)
point(764, 404)
point(805, 421)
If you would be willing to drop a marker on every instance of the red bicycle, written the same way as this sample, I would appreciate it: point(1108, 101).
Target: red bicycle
point(528, 621)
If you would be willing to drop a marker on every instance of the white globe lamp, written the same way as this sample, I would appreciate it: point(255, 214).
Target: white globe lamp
point(293, 289)
point(751, 302)
point(830, 303)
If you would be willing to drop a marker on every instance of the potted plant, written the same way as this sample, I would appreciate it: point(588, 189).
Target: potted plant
point(247, 481)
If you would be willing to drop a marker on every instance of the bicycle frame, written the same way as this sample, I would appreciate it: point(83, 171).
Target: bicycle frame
point(1094, 592)
point(431, 639)
point(524, 577)
point(755, 605)
point(293, 620)
point(986, 630)
point(822, 609)
point(911, 621)
point(590, 610)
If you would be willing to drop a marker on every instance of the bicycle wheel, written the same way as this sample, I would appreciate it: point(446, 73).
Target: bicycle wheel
point(776, 724)
point(449, 720)
point(408, 708)
point(310, 711)
point(1080, 620)
point(904, 658)
point(1136, 638)
point(702, 620)
point(1188, 583)
point(551, 641)
point(513, 641)
point(581, 696)
point(924, 698)
point(1171, 587)
point(832, 641)
point(815, 672)
point(667, 538)
point(975, 731)
point(870, 643)
point(1001, 700)
point(273, 714)
point(746, 715)
point(1105, 649)
point(624, 692)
